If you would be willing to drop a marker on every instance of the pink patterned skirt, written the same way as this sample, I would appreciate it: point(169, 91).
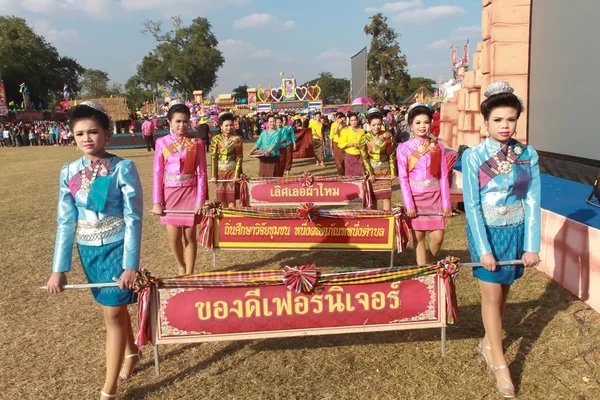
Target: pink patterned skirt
point(429, 202)
point(353, 165)
point(180, 198)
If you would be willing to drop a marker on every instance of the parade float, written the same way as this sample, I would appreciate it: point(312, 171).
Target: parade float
point(27, 111)
point(422, 95)
point(289, 97)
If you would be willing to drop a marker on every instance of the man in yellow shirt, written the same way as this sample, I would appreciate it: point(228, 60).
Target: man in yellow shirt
point(316, 126)
point(336, 128)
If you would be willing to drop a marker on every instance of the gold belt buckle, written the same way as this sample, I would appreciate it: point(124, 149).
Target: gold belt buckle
point(502, 210)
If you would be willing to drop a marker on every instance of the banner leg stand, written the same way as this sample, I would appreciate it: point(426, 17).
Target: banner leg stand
point(214, 258)
point(392, 259)
point(443, 341)
point(156, 361)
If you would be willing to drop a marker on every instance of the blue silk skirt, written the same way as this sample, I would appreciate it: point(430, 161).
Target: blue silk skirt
point(507, 244)
point(101, 264)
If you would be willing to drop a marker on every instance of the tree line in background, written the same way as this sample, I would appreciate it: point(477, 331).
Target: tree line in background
point(185, 58)
point(388, 80)
point(27, 57)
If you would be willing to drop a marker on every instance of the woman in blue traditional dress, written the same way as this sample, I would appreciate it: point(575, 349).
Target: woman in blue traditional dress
point(268, 145)
point(100, 202)
point(501, 189)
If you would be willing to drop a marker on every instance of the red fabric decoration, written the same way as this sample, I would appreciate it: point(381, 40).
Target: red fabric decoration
point(300, 279)
point(448, 271)
point(244, 190)
point(308, 212)
point(402, 229)
point(143, 285)
point(306, 180)
point(210, 211)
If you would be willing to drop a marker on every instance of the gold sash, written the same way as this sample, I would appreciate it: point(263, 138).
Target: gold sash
point(429, 146)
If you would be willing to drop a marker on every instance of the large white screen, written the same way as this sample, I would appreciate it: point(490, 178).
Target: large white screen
point(564, 77)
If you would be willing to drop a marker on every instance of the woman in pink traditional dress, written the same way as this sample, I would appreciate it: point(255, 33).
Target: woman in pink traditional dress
point(423, 175)
point(180, 183)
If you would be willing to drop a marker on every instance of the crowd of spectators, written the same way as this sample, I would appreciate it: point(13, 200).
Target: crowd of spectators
point(38, 133)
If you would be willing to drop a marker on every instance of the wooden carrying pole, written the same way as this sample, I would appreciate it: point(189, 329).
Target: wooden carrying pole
point(113, 284)
point(424, 214)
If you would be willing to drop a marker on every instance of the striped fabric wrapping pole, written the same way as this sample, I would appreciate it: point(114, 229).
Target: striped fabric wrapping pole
point(278, 277)
point(306, 177)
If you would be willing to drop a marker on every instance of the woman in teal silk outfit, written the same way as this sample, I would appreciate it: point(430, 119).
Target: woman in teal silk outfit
point(100, 202)
point(501, 189)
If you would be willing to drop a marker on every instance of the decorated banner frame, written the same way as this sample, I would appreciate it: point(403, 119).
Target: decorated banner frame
point(389, 232)
point(441, 307)
point(318, 190)
point(303, 280)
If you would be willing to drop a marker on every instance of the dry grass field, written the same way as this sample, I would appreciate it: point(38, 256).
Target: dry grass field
point(52, 347)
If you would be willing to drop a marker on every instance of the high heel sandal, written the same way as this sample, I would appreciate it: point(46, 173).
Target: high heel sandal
point(500, 388)
point(108, 396)
point(479, 349)
point(137, 355)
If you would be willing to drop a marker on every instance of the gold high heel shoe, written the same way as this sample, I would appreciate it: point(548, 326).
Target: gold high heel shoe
point(510, 386)
point(137, 355)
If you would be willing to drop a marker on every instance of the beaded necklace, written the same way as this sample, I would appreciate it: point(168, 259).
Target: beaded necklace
point(227, 141)
point(506, 166)
point(86, 183)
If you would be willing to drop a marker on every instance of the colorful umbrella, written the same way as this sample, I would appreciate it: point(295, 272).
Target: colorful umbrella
point(344, 109)
point(362, 100)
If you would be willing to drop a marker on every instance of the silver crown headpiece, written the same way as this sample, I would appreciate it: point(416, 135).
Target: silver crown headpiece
point(414, 105)
point(501, 87)
point(176, 103)
point(99, 107)
point(374, 111)
point(95, 106)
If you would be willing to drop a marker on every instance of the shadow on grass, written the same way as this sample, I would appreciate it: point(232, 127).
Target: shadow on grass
point(347, 259)
point(528, 328)
point(335, 259)
point(466, 328)
point(143, 391)
point(279, 256)
point(469, 326)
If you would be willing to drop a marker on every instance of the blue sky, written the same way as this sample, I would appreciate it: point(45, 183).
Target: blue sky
point(259, 38)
